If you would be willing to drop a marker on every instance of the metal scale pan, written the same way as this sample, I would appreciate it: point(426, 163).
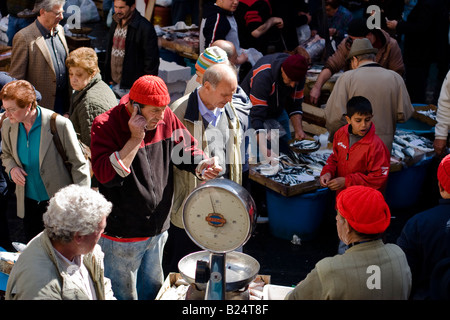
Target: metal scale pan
point(219, 216)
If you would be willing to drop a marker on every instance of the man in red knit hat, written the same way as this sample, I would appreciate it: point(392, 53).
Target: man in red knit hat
point(131, 147)
point(369, 269)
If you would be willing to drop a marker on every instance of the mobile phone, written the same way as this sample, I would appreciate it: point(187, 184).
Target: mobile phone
point(138, 108)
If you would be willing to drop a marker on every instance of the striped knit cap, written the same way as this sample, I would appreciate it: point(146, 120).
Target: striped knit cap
point(210, 56)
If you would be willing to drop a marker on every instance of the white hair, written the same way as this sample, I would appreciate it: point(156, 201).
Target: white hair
point(47, 5)
point(75, 209)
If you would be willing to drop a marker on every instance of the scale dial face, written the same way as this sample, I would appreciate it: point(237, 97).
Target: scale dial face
point(216, 219)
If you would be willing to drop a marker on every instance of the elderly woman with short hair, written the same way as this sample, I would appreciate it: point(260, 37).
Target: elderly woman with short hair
point(91, 95)
point(70, 261)
point(30, 156)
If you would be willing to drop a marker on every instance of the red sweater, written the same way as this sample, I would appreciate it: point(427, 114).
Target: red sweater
point(365, 163)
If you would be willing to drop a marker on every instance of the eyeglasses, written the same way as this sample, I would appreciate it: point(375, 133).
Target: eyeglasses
point(57, 13)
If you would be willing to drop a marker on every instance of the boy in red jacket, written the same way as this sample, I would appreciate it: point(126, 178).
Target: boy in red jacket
point(359, 156)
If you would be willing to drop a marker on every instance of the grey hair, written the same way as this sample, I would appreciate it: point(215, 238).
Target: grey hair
point(366, 56)
point(75, 209)
point(47, 5)
point(217, 72)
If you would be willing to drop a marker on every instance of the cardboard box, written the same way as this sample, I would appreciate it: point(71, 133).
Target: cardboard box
point(172, 278)
point(422, 117)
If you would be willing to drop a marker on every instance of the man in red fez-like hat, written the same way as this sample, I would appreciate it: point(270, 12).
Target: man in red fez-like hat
point(133, 145)
point(369, 269)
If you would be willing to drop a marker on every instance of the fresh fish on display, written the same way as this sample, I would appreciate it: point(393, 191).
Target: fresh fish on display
point(406, 144)
point(305, 145)
point(409, 151)
point(297, 169)
point(397, 151)
point(428, 113)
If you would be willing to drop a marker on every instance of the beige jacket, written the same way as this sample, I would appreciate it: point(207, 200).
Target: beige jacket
point(37, 275)
point(367, 271)
point(31, 60)
point(185, 182)
point(385, 90)
point(53, 172)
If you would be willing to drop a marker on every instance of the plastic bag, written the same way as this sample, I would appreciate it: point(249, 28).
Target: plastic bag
point(89, 11)
point(164, 3)
point(303, 33)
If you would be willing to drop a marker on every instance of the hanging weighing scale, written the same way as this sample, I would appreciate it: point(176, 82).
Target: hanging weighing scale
point(219, 216)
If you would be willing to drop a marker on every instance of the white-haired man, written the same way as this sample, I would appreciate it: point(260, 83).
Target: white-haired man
point(64, 261)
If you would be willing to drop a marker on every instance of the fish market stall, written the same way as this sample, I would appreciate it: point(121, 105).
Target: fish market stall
point(296, 204)
point(411, 157)
point(181, 39)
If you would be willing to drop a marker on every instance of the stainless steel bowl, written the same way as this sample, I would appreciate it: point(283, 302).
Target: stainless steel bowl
point(240, 269)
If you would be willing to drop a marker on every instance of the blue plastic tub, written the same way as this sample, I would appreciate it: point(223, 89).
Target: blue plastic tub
point(301, 215)
point(3, 277)
point(416, 126)
point(404, 186)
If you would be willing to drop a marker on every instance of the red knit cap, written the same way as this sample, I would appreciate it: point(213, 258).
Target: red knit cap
point(364, 208)
point(150, 90)
point(443, 173)
point(295, 67)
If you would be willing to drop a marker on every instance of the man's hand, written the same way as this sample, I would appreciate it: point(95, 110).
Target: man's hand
point(208, 169)
point(391, 24)
point(440, 147)
point(300, 134)
point(314, 94)
point(137, 124)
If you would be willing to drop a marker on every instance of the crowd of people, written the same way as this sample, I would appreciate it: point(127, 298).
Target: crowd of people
point(103, 235)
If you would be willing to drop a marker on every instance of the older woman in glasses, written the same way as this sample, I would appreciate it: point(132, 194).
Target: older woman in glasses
point(30, 156)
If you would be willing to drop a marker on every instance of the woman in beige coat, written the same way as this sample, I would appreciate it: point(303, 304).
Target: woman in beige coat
point(30, 156)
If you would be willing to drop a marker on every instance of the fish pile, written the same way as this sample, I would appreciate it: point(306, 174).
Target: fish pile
point(407, 144)
point(305, 145)
point(428, 113)
point(296, 168)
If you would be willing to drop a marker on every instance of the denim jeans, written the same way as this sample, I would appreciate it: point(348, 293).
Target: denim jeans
point(134, 268)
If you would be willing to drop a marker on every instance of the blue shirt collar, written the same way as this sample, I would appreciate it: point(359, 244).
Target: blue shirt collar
point(210, 116)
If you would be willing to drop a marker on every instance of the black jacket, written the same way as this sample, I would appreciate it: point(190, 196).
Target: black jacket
point(141, 51)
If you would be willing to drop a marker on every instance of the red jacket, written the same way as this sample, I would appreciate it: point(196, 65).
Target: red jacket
point(365, 163)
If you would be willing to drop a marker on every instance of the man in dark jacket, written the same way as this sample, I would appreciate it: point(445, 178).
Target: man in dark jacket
point(134, 148)
point(425, 238)
point(132, 45)
point(275, 86)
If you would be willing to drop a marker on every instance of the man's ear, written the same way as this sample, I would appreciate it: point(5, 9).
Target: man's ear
point(77, 238)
